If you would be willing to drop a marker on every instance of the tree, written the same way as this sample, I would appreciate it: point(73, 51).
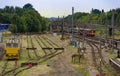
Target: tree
point(18, 10)
point(13, 28)
point(95, 11)
point(6, 9)
point(102, 10)
point(118, 10)
point(23, 19)
point(44, 24)
point(5, 18)
point(28, 6)
point(1, 10)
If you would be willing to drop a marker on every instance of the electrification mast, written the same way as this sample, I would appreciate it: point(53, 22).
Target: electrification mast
point(72, 23)
point(112, 43)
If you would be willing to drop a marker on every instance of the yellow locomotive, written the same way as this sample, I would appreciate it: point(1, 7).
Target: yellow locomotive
point(12, 49)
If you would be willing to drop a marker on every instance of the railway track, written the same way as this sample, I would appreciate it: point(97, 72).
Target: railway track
point(4, 67)
point(28, 47)
point(94, 55)
point(105, 66)
point(98, 59)
point(48, 49)
point(30, 60)
point(40, 46)
point(96, 44)
point(103, 40)
point(43, 45)
point(34, 49)
point(2, 53)
point(48, 57)
point(50, 41)
point(18, 69)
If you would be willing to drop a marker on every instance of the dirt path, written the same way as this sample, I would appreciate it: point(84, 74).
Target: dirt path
point(61, 65)
point(62, 68)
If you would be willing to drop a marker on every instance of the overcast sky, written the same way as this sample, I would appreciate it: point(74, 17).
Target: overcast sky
point(55, 8)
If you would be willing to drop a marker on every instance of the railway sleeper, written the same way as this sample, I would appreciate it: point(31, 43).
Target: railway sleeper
point(31, 48)
point(28, 64)
point(47, 48)
point(58, 48)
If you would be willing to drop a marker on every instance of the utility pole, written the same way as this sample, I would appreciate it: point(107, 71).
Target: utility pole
point(62, 28)
point(112, 42)
point(106, 27)
point(100, 51)
point(72, 24)
point(58, 24)
point(69, 24)
point(51, 28)
point(83, 38)
point(100, 41)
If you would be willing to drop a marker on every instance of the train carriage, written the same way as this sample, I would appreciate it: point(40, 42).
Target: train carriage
point(87, 32)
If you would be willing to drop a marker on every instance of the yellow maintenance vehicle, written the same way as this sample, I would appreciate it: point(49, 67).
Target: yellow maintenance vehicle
point(12, 49)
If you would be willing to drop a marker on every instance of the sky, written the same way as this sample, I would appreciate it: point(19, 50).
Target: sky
point(55, 8)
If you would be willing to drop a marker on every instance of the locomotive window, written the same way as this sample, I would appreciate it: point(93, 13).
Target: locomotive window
point(15, 45)
point(8, 45)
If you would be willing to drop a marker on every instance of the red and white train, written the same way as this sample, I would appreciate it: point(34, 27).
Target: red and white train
point(86, 32)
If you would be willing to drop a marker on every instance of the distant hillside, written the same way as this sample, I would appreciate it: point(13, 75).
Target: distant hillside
point(54, 19)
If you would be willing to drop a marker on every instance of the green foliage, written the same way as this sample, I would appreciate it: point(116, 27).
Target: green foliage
point(13, 28)
point(25, 19)
point(97, 17)
point(77, 16)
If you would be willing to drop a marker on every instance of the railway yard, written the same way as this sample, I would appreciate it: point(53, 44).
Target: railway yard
point(48, 55)
point(59, 43)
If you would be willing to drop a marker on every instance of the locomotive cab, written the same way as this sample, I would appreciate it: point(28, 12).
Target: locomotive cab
point(12, 50)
